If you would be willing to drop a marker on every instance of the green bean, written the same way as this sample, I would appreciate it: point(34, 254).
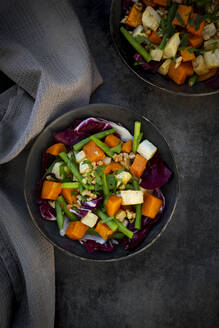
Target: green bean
point(137, 131)
point(137, 208)
point(117, 235)
point(111, 224)
point(74, 170)
point(117, 149)
point(103, 146)
point(137, 46)
point(63, 206)
point(99, 135)
point(105, 186)
point(193, 80)
point(123, 229)
point(70, 185)
point(59, 215)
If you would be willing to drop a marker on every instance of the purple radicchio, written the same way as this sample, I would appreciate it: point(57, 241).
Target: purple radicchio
point(92, 204)
point(156, 173)
point(147, 224)
point(47, 211)
point(80, 212)
point(152, 66)
point(92, 246)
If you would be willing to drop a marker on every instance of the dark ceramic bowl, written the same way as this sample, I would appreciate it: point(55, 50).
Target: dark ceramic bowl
point(126, 52)
point(33, 168)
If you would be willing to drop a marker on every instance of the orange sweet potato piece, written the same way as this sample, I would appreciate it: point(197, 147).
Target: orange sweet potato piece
point(192, 29)
point(149, 3)
point(154, 38)
point(92, 152)
point(206, 76)
point(189, 68)
point(112, 167)
point(69, 197)
point(112, 141)
point(151, 205)
point(134, 18)
point(103, 230)
point(138, 166)
point(56, 149)
point(76, 230)
point(184, 12)
point(113, 205)
point(195, 41)
point(186, 55)
point(179, 74)
point(51, 190)
point(127, 146)
point(161, 2)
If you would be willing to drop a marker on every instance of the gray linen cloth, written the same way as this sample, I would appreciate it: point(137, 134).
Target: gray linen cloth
point(43, 50)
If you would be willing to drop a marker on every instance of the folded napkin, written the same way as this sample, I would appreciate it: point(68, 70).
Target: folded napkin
point(43, 50)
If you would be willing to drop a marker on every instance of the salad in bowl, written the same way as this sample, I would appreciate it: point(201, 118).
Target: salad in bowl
point(177, 39)
point(101, 184)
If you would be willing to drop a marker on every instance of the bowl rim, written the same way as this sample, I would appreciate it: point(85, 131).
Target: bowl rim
point(175, 93)
point(27, 166)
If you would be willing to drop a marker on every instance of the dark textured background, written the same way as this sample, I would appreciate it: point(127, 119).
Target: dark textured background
point(175, 283)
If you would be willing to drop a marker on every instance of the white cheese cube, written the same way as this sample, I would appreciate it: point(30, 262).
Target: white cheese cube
point(138, 31)
point(156, 54)
point(79, 156)
point(164, 68)
point(121, 215)
point(90, 219)
point(56, 170)
point(210, 44)
point(199, 65)
point(146, 149)
point(84, 167)
point(209, 31)
point(131, 197)
point(178, 61)
point(123, 178)
point(151, 18)
point(107, 160)
point(212, 59)
point(171, 47)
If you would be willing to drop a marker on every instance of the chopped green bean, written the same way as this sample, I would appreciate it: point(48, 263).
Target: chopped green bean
point(105, 185)
point(70, 185)
point(137, 131)
point(103, 146)
point(137, 208)
point(117, 149)
point(117, 235)
point(59, 215)
point(136, 45)
point(99, 135)
point(193, 80)
point(63, 206)
point(111, 224)
point(123, 229)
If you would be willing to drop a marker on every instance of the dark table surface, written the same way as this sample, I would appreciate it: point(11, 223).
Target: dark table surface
point(174, 283)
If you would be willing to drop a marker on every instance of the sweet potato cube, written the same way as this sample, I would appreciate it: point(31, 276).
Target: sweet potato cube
point(184, 12)
point(56, 149)
point(151, 205)
point(186, 55)
point(51, 190)
point(112, 141)
point(138, 166)
point(92, 152)
point(76, 230)
point(134, 18)
point(113, 205)
point(195, 28)
point(69, 197)
point(127, 146)
point(103, 230)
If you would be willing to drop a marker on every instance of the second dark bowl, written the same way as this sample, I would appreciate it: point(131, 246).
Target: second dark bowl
point(126, 52)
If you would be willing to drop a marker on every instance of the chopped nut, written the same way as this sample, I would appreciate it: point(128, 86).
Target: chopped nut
point(138, 6)
point(132, 155)
point(68, 207)
point(89, 194)
point(122, 187)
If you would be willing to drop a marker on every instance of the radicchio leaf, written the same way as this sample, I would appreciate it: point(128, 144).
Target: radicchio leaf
point(92, 246)
point(156, 173)
point(152, 66)
point(90, 205)
point(47, 211)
